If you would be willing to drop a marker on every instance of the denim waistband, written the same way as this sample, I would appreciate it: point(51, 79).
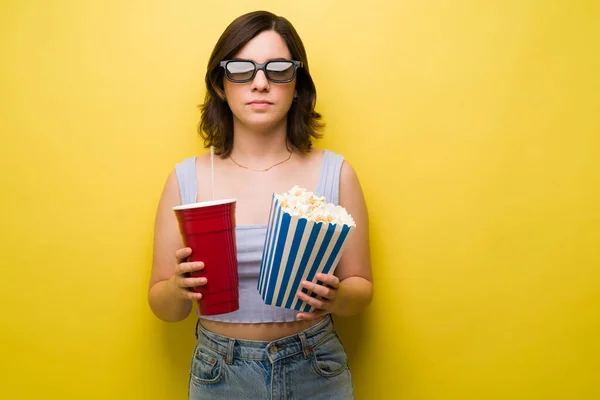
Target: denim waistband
point(302, 342)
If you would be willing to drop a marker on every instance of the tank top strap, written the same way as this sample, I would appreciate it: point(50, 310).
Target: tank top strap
point(329, 179)
point(186, 179)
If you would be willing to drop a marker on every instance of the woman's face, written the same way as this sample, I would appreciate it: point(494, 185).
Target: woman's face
point(260, 103)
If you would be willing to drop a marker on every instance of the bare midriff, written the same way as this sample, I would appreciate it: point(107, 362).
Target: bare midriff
point(263, 331)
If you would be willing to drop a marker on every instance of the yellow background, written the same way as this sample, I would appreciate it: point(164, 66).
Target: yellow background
point(473, 125)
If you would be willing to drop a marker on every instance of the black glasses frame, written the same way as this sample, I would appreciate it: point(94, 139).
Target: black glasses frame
point(261, 67)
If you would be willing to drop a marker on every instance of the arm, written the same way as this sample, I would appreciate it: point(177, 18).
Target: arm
point(350, 289)
point(163, 293)
point(354, 269)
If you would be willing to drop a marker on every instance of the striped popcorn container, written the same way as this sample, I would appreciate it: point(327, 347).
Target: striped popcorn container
point(296, 249)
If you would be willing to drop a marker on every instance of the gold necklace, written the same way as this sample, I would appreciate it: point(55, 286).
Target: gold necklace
point(261, 170)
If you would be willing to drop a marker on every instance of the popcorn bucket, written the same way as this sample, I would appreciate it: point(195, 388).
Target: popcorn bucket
point(296, 249)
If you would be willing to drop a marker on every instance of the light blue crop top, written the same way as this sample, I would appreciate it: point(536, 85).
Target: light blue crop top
point(250, 240)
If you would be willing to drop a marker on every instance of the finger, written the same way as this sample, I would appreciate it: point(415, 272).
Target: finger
point(184, 268)
point(181, 254)
point(191, 282)
point(188, 294)
point(320, 290)
point(315, 302)
point(311, 315)
point(329, 279)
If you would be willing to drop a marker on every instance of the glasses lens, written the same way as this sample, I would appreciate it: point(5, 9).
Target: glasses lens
point(240, 70)
point(280, 70)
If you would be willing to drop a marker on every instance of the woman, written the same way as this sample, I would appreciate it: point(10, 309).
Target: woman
point(259, 116)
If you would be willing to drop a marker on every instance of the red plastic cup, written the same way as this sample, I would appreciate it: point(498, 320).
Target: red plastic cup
point(208, 228)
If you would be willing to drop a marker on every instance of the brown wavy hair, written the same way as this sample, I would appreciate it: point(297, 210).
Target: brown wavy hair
point(216, 123)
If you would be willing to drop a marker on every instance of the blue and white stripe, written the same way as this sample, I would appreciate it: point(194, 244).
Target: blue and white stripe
point(296, 250)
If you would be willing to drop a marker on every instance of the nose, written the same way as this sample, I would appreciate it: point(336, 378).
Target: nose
point(260, 82)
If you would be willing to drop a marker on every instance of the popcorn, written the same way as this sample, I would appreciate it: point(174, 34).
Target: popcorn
point(302, 203)
point(305, 236)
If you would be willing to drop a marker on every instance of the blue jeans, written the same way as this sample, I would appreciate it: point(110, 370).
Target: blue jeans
point(310, 365)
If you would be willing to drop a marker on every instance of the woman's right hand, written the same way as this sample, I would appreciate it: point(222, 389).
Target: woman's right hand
point(182, 280)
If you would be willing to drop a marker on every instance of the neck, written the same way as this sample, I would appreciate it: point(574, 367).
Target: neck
point(260, 148)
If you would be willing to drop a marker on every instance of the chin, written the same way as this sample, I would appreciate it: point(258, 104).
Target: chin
point(261, 122)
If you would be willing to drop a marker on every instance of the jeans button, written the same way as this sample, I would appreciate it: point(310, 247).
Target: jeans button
point(273, 349)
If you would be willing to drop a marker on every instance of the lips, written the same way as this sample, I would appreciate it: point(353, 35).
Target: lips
point(259, 102)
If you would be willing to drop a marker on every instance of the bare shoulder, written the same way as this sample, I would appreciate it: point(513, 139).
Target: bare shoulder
point(350, 188)
point(169, 198)
point(170, 195)
point(348, 173)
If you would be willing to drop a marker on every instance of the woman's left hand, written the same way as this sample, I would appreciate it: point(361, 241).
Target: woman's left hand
point(326, 294)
